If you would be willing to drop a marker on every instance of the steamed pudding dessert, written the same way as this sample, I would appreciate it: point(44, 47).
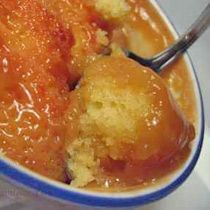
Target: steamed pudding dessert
point(72, 112)
point(125, 125)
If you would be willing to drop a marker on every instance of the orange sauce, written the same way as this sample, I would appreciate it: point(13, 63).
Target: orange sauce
point(44, 46)
point(35, 78)
point(147, 21)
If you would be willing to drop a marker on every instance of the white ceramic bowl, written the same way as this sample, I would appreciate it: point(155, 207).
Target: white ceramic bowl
point(61, 192)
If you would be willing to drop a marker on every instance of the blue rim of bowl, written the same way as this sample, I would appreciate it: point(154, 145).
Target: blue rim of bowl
point(50, 190)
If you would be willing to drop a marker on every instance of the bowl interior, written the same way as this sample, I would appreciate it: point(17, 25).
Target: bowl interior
point(22, 176)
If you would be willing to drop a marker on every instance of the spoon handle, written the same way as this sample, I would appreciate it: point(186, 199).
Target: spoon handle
point(184, 42)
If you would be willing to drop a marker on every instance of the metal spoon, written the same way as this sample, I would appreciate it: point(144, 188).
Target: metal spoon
point(180, 46)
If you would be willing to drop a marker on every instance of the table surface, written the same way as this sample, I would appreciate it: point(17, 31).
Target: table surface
point(195, 192)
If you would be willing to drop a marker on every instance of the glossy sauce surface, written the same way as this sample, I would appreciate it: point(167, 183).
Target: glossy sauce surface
point(35, 76)
point(44, 47)
point(155, 34)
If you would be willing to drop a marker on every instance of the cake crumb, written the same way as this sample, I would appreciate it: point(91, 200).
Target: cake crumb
point(82, 163)
point(117, 51)
point(112, 9)
point(101, 37)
